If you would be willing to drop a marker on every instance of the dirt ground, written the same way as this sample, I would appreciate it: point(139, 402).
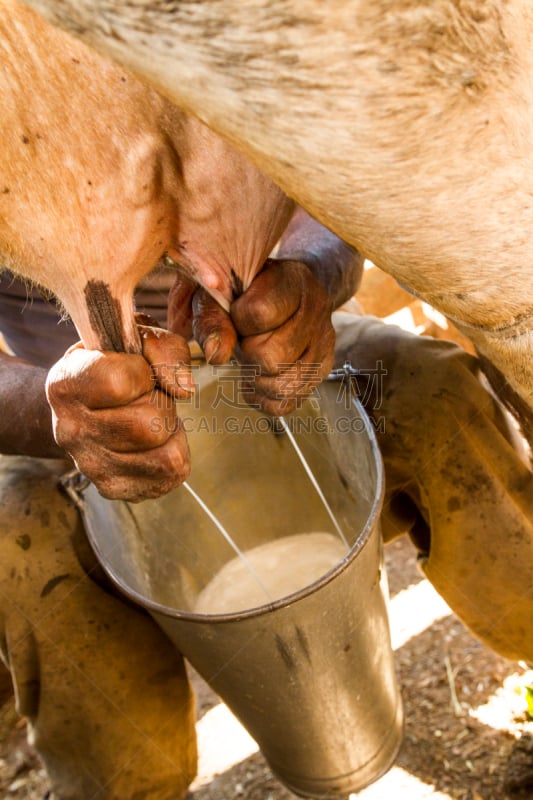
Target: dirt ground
point(465, 709)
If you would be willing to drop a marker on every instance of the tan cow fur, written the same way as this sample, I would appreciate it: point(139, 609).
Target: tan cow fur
point(404, 126)
point(100, 176)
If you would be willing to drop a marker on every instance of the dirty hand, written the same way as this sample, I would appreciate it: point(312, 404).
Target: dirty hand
point(280, 330)
point(114, 413)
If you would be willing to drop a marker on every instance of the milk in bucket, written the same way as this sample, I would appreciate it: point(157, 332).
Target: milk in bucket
point(280, 568)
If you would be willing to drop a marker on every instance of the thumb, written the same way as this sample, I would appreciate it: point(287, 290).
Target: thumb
point(179, 302)
point(213, 329)
point(169, 356)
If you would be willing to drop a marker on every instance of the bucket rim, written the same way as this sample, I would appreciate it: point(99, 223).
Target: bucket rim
point(287, 600)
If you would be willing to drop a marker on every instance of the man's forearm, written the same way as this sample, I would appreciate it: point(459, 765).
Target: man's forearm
point(25, 416)
point(335, 265)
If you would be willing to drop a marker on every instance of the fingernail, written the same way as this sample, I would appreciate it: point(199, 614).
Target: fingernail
point(211, 346)
point(185, 381)
point(181, 377)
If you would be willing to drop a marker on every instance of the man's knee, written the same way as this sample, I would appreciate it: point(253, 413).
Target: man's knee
point(106, 694)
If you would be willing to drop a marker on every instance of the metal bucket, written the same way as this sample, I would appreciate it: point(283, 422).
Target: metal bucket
point(310, 675)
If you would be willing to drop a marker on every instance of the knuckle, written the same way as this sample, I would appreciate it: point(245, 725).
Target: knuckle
point(94, 464)
point(161, 401)
point(52, 389)
point(179, 457)
point(155, 424)
point(122, 381)
point(58, 387)
point(264, 388)
point(68, 432)
point(258, 310)
point(262, 351)
point(119, 487)
point(269, 362)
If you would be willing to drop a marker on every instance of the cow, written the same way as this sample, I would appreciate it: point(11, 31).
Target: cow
point(402, 126)
point(100, 176)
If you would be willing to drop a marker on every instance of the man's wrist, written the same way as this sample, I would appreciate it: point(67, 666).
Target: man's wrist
point(26, 421)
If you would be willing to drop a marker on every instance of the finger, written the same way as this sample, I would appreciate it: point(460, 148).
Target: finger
point(297, 381)
point(268, 398)
point(141, 425)
point(98, 379)
point(303, 337)
point(170, 359)
point(272, 352)
point(139, 476)
point(179, 305)
point(272, 298)
point(281, 393)
point(213, 328)
point(273, 406)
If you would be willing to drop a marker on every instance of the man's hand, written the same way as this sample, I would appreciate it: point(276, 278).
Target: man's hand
point(115, 415)
point(281, 325)
point(284, 327)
